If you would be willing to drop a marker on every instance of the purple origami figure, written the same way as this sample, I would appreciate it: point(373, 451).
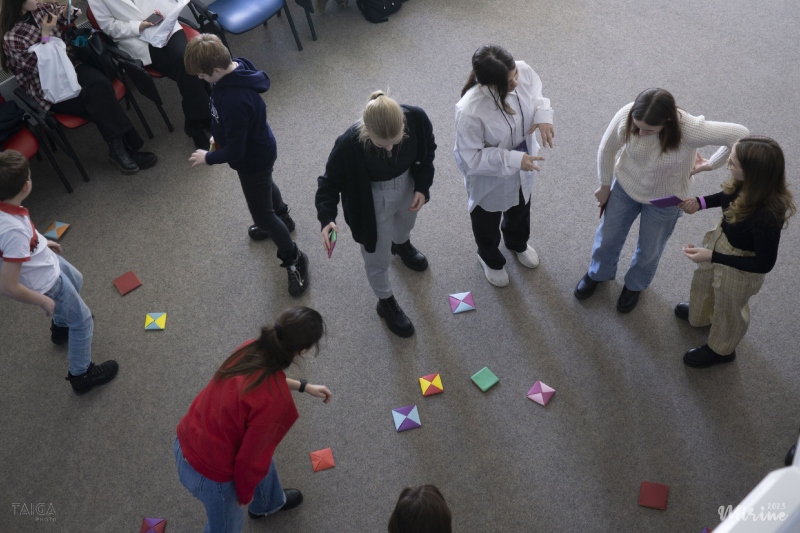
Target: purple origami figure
point(406, 418)
point(541, 393)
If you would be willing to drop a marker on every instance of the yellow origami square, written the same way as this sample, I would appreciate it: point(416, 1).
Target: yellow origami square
point(431, 384)
point(155, 321)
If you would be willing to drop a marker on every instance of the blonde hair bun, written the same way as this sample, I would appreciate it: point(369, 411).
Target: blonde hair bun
point(376, 94)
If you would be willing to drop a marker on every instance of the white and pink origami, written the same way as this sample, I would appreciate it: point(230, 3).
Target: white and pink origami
point(541, 393)
point(462, 301)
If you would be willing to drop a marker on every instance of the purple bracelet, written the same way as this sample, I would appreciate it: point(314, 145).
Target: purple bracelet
point(702, 202)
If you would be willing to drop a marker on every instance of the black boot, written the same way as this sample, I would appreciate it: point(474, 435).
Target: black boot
point(287, 220)
point(682, 311)
point(257, 234)
point(585, 287)
point(396, 320)
point(293, 498)
point(95, 375)
point(118, 154)
point(412, 258)
point(627, 300)
point(58, 334)
point(144, 160)
point(298, 274)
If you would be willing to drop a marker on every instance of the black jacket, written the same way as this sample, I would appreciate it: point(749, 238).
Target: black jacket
point(346, 175)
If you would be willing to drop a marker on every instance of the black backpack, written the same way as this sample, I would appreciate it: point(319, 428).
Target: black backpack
point(377, 10)
point(10, 119)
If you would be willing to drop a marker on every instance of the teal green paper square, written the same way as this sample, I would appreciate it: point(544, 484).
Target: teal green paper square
point(485, 379)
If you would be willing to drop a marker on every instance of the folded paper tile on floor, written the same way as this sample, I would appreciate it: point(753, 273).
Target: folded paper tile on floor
point(127, 282)
point(155, 321)
point(462, 301)
point(653, 495)
point(485, 379)
point(322, 459)
point(153, 525)
point(56, 230)
point(541, 393)
point(431, 384)
point(406, 418)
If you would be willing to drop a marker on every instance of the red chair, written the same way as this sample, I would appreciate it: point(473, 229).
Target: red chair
point(27, 142)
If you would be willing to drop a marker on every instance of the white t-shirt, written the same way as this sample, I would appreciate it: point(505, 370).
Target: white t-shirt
point(21, 243)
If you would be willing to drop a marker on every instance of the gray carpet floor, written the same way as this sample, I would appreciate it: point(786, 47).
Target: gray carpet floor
point(626, 408)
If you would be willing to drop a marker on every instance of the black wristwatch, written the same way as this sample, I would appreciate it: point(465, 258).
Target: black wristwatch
point(303, 383)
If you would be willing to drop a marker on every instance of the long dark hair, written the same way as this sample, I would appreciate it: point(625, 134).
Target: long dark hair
point(297, 329)
point(490, 66)
point(10, 14)
point(656, 107)
point(421, 510)
point(764, 185)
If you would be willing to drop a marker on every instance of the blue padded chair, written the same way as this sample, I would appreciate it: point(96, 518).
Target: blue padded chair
point(241, 16)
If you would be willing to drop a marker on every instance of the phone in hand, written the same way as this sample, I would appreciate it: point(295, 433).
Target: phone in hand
point(155, 18)
point(332, 236)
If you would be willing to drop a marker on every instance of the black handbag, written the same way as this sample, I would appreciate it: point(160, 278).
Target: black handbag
point(377, 11)
point(89, 46)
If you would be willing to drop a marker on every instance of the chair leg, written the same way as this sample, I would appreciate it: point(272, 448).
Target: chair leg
point(291, 24)
point(70, 152)
point(311, 25)
point(136, 108)
point(165, 117)
point(49, 155)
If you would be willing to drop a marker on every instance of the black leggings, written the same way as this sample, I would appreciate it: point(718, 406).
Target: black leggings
point(97, 103)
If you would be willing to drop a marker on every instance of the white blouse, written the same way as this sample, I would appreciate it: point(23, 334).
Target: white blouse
point(486, 137)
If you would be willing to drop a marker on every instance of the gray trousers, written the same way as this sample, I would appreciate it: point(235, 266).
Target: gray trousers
point(391, 199)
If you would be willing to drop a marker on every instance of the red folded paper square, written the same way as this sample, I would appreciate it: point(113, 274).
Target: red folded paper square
point(322, 459)
point(127, 282)
point(653, 495)
point(153, 525)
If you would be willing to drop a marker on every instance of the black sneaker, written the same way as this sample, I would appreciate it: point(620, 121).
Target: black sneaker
point(95, 375)
point(257, 234)
point(293, 498)
point(58, 334)
point(412, 258)
point(396, 320)
point(298, 274)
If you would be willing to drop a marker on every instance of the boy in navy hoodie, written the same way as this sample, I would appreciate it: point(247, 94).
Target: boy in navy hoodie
point(242, 138)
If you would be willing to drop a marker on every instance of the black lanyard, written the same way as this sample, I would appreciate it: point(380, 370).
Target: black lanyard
point(522, 113)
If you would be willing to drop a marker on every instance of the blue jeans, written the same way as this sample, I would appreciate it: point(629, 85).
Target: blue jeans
point(222, 506)
point(72, 313)
point(655, 228)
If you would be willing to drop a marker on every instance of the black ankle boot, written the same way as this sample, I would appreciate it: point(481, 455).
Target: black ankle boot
point(144, 160)
point(287, 220)
point(118, 154)
point(257, 234)
point(95, 375)
point(396, 320)
point(412, 258)
point(298, 274)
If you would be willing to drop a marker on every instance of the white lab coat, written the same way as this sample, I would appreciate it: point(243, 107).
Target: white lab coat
point(120, 19)
point(486, 136)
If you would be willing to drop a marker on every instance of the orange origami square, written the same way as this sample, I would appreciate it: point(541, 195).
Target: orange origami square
point(322, 459)
point(431, 384)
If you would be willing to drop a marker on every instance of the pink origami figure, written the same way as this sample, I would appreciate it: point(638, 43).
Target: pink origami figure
point(541, 393)
point(153, 525)
point(462, 301)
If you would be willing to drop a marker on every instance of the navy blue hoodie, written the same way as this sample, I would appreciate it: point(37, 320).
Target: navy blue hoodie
point(239, 120)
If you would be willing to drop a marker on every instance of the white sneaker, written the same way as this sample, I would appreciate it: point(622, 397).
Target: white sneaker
point(498, 278)
point(529, 257)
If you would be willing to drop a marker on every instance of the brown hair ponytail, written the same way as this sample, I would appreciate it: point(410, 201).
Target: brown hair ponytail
point(296, 329)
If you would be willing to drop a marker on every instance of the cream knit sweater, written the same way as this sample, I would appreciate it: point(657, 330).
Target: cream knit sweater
point(644, 172)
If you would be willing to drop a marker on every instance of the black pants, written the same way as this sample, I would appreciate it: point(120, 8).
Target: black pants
point(265, 202)
point(169, 61)
point(97, 103)
point(516, 228)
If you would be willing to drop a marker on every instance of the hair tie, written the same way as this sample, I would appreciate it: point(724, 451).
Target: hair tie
point(277, 328)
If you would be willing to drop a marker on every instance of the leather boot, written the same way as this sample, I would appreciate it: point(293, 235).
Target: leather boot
point(118, 154)
point(396, 320)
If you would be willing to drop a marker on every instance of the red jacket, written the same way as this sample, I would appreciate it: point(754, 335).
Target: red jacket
point(229, 436)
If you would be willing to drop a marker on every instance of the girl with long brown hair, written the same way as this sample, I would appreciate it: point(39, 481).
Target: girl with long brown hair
point(648, 151)
point(226, 441)
point(735, 257)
